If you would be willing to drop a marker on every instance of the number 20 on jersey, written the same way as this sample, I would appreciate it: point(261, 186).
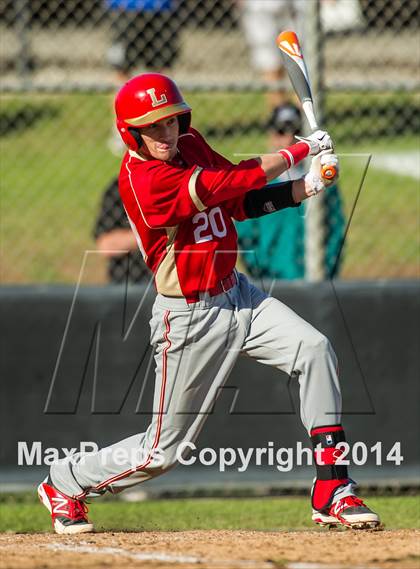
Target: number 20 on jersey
point(209, 224)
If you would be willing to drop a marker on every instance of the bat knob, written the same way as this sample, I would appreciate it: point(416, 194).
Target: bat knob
point(328, 172)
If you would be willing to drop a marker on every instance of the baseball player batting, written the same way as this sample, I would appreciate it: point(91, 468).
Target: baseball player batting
point(180, 197)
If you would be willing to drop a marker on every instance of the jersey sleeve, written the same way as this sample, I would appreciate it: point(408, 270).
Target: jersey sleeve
point(214, 186)
point(235, 206)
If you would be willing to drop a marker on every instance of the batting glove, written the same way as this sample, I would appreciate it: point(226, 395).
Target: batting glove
point(314, 180)
point(317, 141)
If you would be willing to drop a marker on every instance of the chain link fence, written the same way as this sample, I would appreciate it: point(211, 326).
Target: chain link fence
point(62, 60)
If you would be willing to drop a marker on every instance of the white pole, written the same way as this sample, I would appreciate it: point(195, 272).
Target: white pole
point(314, 207)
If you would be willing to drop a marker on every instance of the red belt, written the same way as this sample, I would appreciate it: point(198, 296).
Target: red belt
point(222, 286)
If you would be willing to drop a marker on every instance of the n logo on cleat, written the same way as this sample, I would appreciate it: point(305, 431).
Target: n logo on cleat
point(59, 506)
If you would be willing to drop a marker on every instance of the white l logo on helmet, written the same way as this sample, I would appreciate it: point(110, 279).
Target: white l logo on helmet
point(155, 101)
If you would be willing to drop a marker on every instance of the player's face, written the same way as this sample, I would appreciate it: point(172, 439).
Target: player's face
point(160, 139)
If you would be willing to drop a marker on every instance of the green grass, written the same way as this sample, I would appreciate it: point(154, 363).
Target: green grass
point(190, 514)
point(53, 173)
point(383, 234)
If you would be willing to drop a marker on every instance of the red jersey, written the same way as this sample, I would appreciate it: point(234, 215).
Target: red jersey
point(181, 213)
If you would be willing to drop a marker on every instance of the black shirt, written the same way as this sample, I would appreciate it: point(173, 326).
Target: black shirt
point(112, 216)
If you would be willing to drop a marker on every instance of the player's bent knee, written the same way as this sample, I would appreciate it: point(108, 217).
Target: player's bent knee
point(168, 459)
point(317, 342)
point(319, 346)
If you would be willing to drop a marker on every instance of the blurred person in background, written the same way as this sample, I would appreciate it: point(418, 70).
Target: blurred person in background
point(274, 246)
point(262, 21)
point(144, 35)
point(341, 16)
point(115, 239)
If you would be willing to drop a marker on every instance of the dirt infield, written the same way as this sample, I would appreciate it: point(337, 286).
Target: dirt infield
point(213, 549)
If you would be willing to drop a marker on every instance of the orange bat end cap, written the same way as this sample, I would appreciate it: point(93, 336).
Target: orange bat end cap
point(288, 43)
point(287, 36)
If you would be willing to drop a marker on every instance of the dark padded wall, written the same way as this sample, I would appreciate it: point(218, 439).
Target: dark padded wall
point(99, 363)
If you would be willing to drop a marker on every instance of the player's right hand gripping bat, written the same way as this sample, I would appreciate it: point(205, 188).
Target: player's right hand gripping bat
point(293, 61)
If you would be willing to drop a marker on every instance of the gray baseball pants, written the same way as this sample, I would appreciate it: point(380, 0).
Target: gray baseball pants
point(196, 346)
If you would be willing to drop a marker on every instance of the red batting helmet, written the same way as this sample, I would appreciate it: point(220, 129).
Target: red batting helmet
point(146, 99)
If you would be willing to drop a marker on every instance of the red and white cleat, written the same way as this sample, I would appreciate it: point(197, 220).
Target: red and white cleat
point(68, 516)
point(350, 512)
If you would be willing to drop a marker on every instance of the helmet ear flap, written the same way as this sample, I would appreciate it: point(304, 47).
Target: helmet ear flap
point(130, 136)
point(184, 122)
point(135, 133)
